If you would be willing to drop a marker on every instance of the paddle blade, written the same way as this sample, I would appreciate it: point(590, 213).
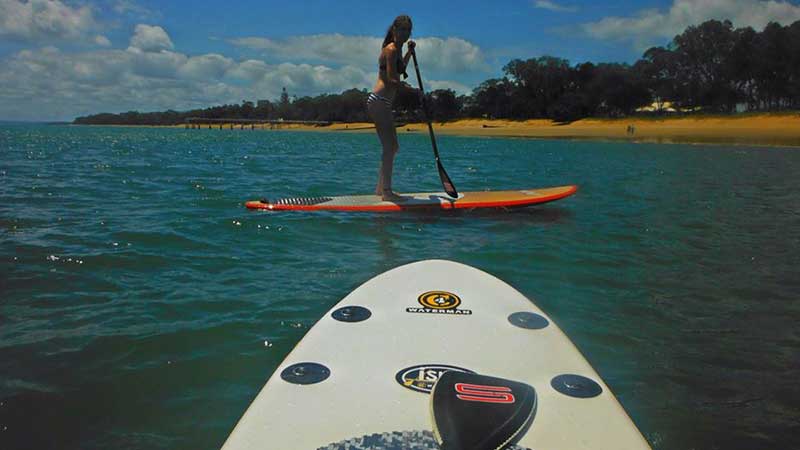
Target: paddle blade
point(448, 185)
point(478, 412)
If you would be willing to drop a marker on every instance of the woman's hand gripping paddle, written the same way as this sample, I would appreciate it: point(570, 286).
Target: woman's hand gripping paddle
point(448, 185)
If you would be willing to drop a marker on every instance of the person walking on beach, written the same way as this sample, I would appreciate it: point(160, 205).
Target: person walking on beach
point(391, 64)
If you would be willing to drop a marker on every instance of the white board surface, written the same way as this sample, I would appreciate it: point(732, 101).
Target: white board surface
point(362, 396)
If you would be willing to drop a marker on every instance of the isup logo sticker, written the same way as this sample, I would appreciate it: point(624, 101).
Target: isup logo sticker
point(421, 378)
point(439, 302)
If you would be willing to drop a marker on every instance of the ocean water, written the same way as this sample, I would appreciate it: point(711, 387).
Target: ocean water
point(142, 306)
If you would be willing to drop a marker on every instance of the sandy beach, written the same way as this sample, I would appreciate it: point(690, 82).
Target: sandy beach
point(745, 129)
point(778, 130)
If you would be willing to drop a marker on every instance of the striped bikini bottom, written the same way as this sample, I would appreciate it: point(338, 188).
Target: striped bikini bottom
point(373, 97)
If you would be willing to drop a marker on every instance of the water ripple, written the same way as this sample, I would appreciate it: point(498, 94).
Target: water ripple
point(136, 287)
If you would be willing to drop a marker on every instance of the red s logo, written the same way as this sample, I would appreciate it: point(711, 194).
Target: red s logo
point(484, 394)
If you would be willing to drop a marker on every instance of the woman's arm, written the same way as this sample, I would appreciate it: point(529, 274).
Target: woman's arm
point(390, 59)
point(392, 76)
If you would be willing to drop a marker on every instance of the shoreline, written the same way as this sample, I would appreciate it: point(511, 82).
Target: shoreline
point(769, 129)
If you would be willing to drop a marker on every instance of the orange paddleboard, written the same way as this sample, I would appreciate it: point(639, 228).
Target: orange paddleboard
point(422, 200)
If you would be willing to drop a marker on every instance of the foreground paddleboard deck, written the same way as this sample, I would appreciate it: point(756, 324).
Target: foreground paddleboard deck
point(421, 200)
point(362, 376)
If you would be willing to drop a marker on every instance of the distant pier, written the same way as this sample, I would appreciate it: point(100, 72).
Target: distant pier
point(201, 122)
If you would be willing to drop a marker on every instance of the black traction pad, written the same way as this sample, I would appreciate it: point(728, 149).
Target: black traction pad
point(478, 412)
point(308, 201)
point(392, 440)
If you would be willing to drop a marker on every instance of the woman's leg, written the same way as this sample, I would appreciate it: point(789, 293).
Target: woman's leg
point(387, 133)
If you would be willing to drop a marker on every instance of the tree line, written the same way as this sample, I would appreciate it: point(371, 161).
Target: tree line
point(711, 67)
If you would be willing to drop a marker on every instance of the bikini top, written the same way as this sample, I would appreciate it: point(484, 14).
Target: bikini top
point(401, 68)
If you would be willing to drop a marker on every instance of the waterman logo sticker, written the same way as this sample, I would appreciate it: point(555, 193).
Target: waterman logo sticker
point(439, 302)
point(421, 378)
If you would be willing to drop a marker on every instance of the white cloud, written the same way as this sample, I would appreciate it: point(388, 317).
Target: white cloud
point(307, 79)
point(553, 6)
point(655, 27)
point(204, 67)
point(132, 8)
point(163, 64)
point(150, 74)
point(46, 21)
point(149, 38)
point(51, 85)
point(450, 54)
point(102, 41)
point(48, 84)
point(459, 88)
point(336, 48)
point(250, 70)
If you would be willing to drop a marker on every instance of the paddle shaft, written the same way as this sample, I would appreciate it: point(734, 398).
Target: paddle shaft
point(448, 185)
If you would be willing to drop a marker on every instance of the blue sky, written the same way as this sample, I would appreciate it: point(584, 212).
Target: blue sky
point(60, 59)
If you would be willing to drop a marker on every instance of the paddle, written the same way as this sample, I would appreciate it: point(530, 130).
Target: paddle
point(448, 185)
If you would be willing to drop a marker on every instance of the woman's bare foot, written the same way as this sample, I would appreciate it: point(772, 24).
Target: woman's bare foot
point(389, 196)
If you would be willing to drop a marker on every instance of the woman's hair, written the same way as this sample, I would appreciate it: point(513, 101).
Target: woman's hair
point(399, 20)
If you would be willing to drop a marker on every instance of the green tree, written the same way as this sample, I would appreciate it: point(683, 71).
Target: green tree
point(492, 98)
point(443, 104)
point(619, 88)
point(538, 83)
point(284, 106)
point(773, 77)
point(702, 54)
point(742, 70)
point(657, 70)
point(793, 44)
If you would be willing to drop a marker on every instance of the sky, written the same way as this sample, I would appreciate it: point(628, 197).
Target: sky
point(60, 59)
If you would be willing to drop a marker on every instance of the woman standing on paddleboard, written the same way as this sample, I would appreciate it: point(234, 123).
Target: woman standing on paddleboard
point(391, 63)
